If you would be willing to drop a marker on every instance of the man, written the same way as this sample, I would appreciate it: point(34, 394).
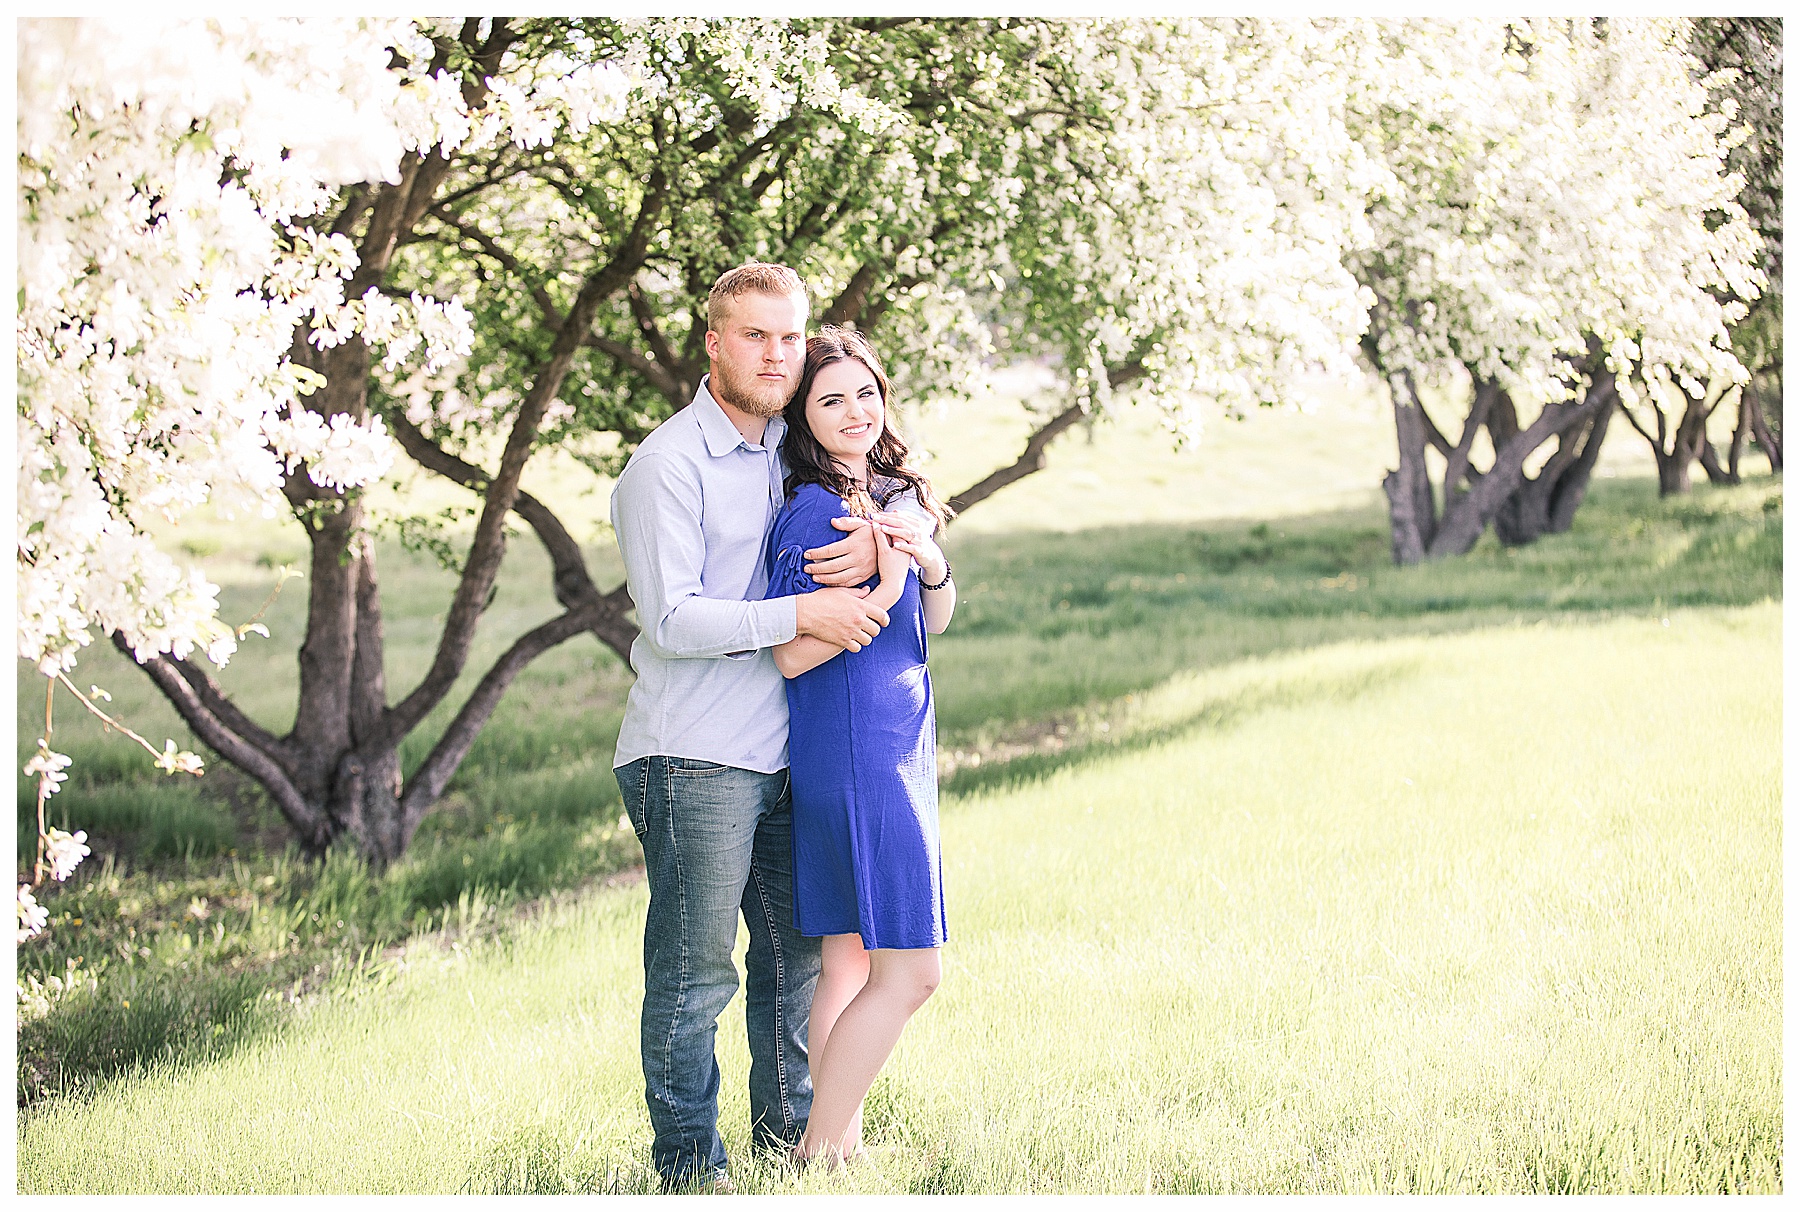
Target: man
point(702, 756)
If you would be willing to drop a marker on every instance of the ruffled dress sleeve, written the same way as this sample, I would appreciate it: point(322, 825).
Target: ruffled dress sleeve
point(802, 525)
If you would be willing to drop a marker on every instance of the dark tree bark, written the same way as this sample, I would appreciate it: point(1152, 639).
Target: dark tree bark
point(1411, 508)
point(1679, 446)
point(1519, 507)
point(1035, 458)
point(1546, 503)
point(1751, 422)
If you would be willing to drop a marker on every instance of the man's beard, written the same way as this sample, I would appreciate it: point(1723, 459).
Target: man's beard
point(749, 394)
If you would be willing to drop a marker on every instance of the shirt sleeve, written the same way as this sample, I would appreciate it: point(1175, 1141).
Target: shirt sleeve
point(656, 515)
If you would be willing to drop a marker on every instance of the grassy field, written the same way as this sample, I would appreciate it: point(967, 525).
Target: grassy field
point(1180, 707)
point(1417, 914)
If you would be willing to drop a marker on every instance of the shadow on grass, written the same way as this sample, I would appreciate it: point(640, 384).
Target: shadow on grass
point(179, 961)
point(1222, 712)
point(76, 1052)
point(1051, 624)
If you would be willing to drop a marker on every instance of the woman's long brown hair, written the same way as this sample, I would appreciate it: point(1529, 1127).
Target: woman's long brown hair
point(810, 463)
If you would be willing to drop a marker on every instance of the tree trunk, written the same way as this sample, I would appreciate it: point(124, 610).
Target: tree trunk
point(338, 772)
point(1546, 503)
point(1674, 466)
point(1752, 416)
point(1709, 462)
point(1412, 512)
point(1521, 509)
point(1464, 508)
point(1571, 488)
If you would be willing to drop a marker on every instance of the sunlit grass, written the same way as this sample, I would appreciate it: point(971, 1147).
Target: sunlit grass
point(1127, 603)
point(1058, 640)
point(1497, 911)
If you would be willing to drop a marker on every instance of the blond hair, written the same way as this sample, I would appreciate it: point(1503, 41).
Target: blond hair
point(755, 277)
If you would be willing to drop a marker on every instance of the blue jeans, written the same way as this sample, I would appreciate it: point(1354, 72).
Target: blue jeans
point(716, 842)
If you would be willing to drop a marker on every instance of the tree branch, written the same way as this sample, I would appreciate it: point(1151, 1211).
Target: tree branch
point(573, 585)
point(428, 781)
point(1459, 459)
point(309, 822)
point(489, 547)
point(1433, 434)
point(211, 697)
point(1033, 459)
point(659, 378)
point(851, 302)
point(659, 346)
point(512, 265)
point(1632, 418)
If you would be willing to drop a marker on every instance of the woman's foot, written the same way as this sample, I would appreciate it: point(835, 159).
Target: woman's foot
point(827, 1159)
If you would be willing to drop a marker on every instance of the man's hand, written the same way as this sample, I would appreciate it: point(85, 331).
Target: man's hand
point(844, 617)
point(850, 560)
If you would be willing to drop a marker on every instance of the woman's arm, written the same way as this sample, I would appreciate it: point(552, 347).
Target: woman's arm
point(805, 652)
point(939, 605)
point(913, 539)
point(802, 653)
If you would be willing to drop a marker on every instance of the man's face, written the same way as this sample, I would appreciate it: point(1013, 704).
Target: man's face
point(757, 359)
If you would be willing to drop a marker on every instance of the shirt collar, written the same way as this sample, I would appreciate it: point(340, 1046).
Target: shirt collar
point(722, 437)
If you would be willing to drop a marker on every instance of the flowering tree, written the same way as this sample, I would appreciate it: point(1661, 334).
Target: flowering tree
point(1744, 55)
point(1163, 205)
point(1738, 59)
point(1557, 227)
point(1123, 196)
point(164, 175)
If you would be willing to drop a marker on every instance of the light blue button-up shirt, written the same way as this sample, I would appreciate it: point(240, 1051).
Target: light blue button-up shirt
point(691, 512)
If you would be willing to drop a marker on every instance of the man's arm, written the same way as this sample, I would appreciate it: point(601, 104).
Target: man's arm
point(850, 560)
point(828, 626)
point(656, 515)
point(813, 646)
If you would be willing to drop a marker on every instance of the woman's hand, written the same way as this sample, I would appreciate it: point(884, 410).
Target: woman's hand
point(913, 536)
point(892, 559)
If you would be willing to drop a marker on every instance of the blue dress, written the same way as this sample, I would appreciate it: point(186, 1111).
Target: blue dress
point(862, 755)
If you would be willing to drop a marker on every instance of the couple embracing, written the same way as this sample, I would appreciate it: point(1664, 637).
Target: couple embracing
point(778, 752)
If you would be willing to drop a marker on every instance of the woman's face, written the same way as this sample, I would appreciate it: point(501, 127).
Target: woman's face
point(844, 411)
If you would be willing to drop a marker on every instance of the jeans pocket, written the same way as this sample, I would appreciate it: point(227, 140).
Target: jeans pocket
point(633, 779)
point(694, 768)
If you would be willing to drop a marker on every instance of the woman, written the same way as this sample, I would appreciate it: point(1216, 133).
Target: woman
point(862, 736)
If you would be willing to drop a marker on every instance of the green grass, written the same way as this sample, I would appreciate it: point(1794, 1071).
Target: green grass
point(1451, 913)
point(1124, 603)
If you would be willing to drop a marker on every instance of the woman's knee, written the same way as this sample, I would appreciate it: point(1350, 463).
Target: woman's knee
point(911, 976)
point(843, 958)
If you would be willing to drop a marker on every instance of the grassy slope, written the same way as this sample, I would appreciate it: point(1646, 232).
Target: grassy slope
point(1447, 914)
point(1086, 588)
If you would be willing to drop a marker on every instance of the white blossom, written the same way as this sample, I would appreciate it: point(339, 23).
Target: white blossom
point(174, 762)
point(65, 851)
point(32, 916)
point(160, 283)
point(1544, 182)
point(48, 765)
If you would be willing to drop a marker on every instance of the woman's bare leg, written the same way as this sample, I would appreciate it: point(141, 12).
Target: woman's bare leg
point(844, 972)
point(860, 1041)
